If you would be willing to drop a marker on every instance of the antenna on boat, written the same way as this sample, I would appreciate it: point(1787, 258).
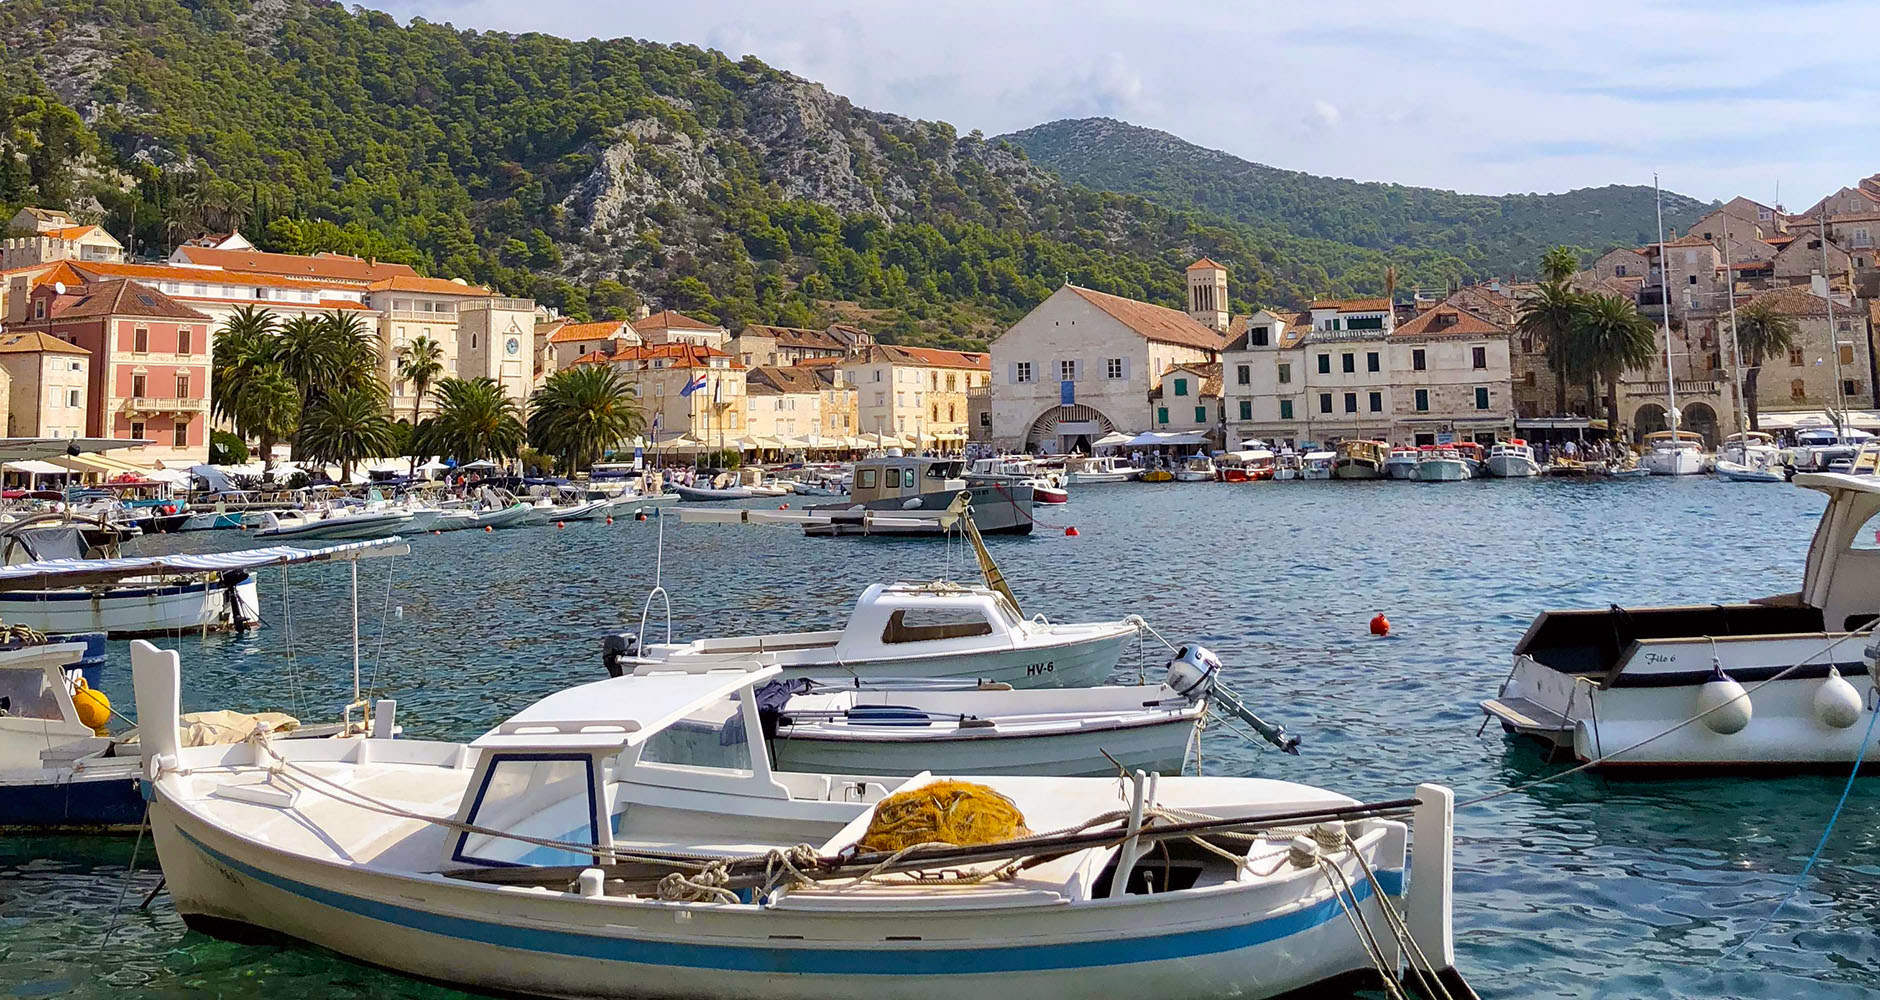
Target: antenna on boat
point(1664, 299)
point(1736, 344)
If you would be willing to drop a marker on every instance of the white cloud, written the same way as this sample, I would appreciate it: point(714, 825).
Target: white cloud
point(1525, 97)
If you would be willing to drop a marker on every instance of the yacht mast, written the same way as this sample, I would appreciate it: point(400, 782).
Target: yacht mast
point(1664, 299)
point(1834, 338)
point(1736, 346)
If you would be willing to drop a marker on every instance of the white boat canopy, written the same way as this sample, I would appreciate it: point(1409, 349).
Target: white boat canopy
point(16, 448)
point(1156, 438)
point(49, 574)
point(621, 712)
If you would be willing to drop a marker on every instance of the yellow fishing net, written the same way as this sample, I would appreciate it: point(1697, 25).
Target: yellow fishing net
point(945, 812)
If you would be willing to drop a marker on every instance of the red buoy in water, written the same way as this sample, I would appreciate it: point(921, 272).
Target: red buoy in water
point(488, 528)
point(783, 506)
point(1071, 531)
point(640, 516)
point(1380, 625)
point(610, 520)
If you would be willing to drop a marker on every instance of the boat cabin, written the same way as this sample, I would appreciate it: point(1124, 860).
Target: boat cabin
point(904, 476)
point(36, 710)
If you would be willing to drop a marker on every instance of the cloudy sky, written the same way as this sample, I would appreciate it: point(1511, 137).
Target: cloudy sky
point(1721, 97)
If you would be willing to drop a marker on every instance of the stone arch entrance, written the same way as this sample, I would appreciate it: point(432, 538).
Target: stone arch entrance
point(1700, 418)
point(1649, 419)
point(1063, 429)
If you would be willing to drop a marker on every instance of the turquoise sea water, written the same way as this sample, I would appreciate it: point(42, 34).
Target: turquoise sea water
point(1587, 887)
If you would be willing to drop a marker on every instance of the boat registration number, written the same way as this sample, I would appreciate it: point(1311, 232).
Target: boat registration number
point(1038, 669)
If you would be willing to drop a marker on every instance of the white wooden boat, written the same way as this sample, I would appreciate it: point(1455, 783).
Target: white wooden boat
point(1316, 465)
point(1674, 453)
point(1512, 460)
point(122, 606)
point(922, 631)
point(1288, 466)
point(1360, 459)
point(1602, 682)
point(563, 854)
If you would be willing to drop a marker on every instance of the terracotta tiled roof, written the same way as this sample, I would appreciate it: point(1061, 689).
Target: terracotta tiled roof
point(67, 232)
point(798, 337)
point(1157, 323)
point(1209, 374)
point(785, 378)
point(1683, 241)
point(1353, 305)
point(330, 266)
point(931, 357)
point(669, 320)
point(120, 298)
point(165, 272)
point(433, 286)
point(1781, 239)
point(676, 355)
point(592, 358)
point(1205, 264)
point(818, 362)
point(1447, 321)
point(1795, 300)
point(575, 332)
point(22, 343)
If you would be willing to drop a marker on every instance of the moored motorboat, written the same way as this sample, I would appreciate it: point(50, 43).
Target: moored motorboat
point(922, 488)
point(1772, 682)
point(706, 494)
point(1317, 465)
point(557, 854)
point(1512, 460)
point(1360, 459)
point(1441, 464)
point(1288, 466)
point(1080, 469)
point(1402, 463)
point(121, 606)
point(1196, 469)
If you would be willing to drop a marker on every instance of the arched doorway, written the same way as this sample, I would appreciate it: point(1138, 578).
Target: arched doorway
point(1700, 418)
point(1649, 419)
point(1064, 429)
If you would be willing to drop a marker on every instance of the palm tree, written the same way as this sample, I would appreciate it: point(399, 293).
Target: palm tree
point(1761, 331)
point(1610, 336)
point(475, 419)
point(242, 346)
point(1559, 264)
point(347, 427)
point(1550, 315)
point(420, 363)
point(302, 349)
point(581, 412)
point(355, 355)
point(270, 407)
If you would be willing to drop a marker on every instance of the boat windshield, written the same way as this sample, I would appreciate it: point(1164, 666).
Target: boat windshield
point(543, 795)
point(711, 736)
point(27, 694)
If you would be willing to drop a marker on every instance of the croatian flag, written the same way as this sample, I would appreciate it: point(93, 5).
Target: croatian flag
point(693, 386)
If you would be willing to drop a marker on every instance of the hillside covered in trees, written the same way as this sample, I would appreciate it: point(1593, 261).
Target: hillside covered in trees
point(1500, 235)
point(593, 174)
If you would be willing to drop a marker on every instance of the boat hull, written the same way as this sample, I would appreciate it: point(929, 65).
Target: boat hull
point(134, 610)
point(1256, 942)
point(100, 799)
point(1158, 746)
point(339, 528)
point(1442, 470)
point(1075, 664)
point(1355, 469)
point(1673, 462)
point(1187, 476)
point(998, 508)
point(1400, 470)
point(693, 494)
point(1512, 467)
point(1736, 472)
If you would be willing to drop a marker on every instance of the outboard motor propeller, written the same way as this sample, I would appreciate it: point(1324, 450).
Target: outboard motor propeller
point(1194, 673)
point(616, 649)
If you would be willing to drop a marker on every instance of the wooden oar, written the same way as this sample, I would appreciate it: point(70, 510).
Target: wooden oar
point(750, 872)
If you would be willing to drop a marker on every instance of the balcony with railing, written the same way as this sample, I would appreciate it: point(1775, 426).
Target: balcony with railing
point(1660, 387)
point(164, 404)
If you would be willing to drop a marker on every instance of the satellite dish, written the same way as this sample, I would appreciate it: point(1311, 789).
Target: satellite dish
point(58, 287)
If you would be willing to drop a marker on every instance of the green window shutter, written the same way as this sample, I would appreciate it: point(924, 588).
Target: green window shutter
point(1201, 414)
point(1285, 409)
point(1161, 414)
point(1181, 387)
point(1246, 409)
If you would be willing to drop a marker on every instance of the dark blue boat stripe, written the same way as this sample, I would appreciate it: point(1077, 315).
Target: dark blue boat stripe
point(801, 958)
point(28, 599)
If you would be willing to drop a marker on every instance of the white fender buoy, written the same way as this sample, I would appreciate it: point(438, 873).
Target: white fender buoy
point(1837, 704)
point(1725, 704)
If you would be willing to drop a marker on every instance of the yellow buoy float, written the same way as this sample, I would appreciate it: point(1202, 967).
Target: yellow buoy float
point(94, 709)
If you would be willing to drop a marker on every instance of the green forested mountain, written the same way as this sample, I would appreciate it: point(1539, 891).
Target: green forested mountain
point(592, 174)
point(1502, 235)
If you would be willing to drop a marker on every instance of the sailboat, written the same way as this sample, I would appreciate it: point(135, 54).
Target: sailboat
point(1673, 452)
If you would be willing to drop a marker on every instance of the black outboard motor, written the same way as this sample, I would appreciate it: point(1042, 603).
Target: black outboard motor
point(616, 649)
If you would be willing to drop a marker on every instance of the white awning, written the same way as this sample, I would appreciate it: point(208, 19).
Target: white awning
point(1794, 420)
point(1152, 439)
point(19, 448)
point(622, 711)
point(1114, 439)
point(48, 574)
point(37, 467)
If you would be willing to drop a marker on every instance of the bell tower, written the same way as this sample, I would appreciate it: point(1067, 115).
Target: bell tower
point(1207, 294)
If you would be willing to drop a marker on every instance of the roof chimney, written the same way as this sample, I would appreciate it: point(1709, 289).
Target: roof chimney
point(643, 312)
point(1818, 283)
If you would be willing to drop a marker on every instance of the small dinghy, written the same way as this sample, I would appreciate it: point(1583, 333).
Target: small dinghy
point(565, 853)
point(698, 494)
point(904, 728)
